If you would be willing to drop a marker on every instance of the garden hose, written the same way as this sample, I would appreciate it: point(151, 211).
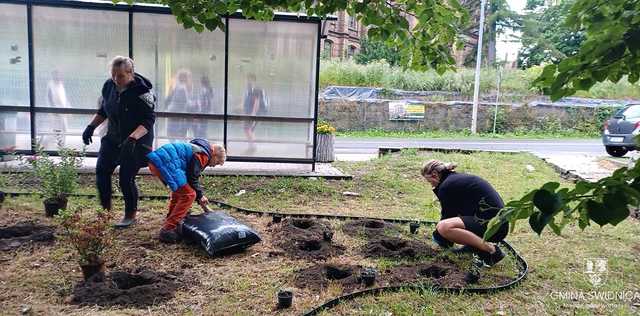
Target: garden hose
point(523, 267)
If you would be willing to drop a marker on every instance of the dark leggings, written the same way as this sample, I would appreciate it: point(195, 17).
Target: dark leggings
point(108, 159)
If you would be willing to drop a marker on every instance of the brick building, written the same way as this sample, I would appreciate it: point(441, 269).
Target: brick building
point(343, 36)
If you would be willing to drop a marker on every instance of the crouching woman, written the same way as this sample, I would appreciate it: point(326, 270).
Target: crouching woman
point(468, 203)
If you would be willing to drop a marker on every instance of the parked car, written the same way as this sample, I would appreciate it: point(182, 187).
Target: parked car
point(618, 135)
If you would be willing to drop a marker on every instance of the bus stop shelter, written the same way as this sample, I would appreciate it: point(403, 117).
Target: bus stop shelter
point(54, 59)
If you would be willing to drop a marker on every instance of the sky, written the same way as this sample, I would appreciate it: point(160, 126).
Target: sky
point(505, 45)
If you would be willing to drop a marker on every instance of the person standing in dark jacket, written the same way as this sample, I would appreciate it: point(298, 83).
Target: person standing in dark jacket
point(468, 203)
point(128, 103)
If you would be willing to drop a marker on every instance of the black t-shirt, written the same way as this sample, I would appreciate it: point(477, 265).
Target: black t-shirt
point(467, 195)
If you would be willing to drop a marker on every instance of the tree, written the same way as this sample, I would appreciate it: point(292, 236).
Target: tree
point(499, 18)
point(610, 51)
point(372, 50)
point(545, 38)
point(426, 45)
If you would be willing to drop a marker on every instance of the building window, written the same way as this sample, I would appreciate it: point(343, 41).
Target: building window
point(353, 23)
point(351, 50)
point(328, 48)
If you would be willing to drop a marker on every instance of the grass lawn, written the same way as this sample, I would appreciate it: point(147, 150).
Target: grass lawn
point(245, 284)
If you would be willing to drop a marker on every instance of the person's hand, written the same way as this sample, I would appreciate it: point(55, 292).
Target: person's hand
point(87, 134)
point(203, 201)
point(128, 146)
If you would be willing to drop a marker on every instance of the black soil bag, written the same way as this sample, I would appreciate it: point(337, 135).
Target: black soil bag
point(218, 233)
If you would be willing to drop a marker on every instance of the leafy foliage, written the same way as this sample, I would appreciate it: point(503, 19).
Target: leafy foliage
point(90, 236)
point(545, 37)
point(58, 176)
point(604, 202)
point(425, 45)
point(372, 51)
point(610, 51)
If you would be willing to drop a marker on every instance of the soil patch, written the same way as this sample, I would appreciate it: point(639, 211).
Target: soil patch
point(318, 277)
point(398, 248)
point(139, 289)
point(306, 238)
point(370, 228)
point(24, 233)
point(440, 273)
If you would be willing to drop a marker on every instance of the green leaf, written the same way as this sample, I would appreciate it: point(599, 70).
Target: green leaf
point(547, 202)
point(550, 186)
point(555, 228)
point(492, 227)
point(597, 212)
point(616, 203)
point(538, 221)
point(583, 187)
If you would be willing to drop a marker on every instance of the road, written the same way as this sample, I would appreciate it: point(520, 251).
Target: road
point(369, 146)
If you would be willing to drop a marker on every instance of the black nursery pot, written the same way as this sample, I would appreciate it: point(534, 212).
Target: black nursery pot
point(285, 299)
point(368, 276)
point(413, 227)
point(2, 196)
point(52, 206)
point(277, 218)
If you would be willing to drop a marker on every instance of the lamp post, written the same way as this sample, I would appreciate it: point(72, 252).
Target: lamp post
point(476, 87)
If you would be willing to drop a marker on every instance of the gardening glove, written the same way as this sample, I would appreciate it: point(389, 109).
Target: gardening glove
point(87, 134)
point(203, 200)
point(127, 147)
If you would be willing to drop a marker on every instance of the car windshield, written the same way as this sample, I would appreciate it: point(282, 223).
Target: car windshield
point(632, 112)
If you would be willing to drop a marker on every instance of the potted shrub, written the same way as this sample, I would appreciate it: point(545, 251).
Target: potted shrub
point(58, 176)
point(324, 142)
point(91, 236)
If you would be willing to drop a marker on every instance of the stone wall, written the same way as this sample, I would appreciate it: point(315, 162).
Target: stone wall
point(363, 115)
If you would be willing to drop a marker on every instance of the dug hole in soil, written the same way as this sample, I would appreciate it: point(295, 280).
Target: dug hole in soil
point(306, 239)
point(397, 248)
point(439, 273)
point(24, 233)
point(370, 228)
point(318, 277)
point(140, 288)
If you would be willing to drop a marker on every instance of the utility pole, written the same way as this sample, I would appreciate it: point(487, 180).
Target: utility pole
point(476, 87)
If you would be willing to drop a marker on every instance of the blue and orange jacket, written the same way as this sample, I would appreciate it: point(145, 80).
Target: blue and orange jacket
point(182, 163)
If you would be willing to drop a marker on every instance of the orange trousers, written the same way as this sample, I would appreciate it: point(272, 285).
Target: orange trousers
point(179, 203)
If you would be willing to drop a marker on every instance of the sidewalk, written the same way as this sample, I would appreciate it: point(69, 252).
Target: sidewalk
point(230, 168)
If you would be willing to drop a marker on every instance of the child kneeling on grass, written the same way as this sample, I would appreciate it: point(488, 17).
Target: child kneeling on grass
point(178, 166)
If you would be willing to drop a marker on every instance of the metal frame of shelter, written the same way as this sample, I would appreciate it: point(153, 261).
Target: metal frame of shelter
point(157, 9)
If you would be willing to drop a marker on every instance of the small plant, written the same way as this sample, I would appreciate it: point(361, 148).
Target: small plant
point(325, 128)
point(91, 236)
point(58, 176)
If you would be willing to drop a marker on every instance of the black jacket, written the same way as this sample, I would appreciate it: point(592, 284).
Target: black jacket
point(129, 109)
point(467, 195)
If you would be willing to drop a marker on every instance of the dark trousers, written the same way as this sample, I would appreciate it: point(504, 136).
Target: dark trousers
point(108, 159)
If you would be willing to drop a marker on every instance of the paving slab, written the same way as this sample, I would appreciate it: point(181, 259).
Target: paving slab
point(230, 168)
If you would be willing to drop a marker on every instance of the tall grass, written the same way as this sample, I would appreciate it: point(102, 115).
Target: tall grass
point(514, 81)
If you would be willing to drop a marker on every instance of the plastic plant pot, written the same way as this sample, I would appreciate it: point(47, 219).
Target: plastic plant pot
point(413, 227)
point(94, 272)
point(277, 218)
point(327, 236)
point(52, 206)
point(2, 196)
point(285, 298)
point(368, 276)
